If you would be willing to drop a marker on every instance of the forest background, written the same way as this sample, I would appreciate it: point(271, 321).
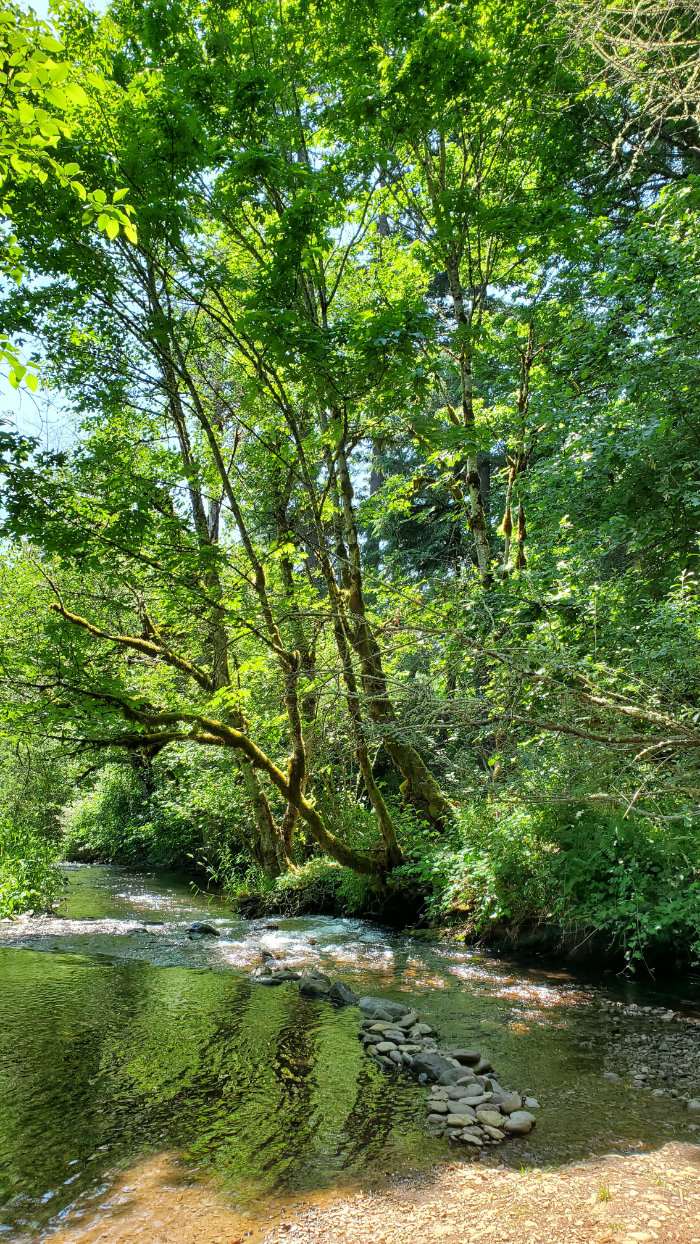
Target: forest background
point(361, 574)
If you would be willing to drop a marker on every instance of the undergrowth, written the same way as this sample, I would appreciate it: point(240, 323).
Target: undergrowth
point(628, 888)
point(29, 876)
point(623, 887)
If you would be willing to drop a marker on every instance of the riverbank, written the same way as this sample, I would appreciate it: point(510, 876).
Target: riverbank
point(652, 1196)
point(434, 901)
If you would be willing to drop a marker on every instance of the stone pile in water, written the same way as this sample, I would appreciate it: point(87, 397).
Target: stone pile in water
point(465, 1103)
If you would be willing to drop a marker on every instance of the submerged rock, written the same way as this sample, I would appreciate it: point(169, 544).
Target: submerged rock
point(199, 928)
point(381, 1008)
point(314, 985)
point(342, 994)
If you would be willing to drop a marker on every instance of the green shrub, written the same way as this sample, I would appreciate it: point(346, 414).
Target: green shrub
point(29, 876)
point(634, 882)
point(118, 823)
point(191, 817)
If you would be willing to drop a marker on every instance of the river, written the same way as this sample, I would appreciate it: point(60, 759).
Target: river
point(122, 1037)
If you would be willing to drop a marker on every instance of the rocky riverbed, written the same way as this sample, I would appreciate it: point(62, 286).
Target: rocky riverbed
point(140, 1023)
point(465, 1104)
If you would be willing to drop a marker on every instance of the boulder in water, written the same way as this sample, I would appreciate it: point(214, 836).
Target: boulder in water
point(342, 994)
point(433, 1065)
point(380, 1008)
point(313, 984)
point(199, 928)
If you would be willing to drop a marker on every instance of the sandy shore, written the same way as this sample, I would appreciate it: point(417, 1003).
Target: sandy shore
point(650, 1196)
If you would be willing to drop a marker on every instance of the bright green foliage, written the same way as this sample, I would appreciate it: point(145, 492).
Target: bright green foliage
point(372, 549)
point(29, 877)
point(39, 96)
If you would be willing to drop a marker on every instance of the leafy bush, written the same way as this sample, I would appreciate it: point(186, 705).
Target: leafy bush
point(631, 882)
point(636, 881)
point(29, 876)
point(116, 822)
point(320, 886)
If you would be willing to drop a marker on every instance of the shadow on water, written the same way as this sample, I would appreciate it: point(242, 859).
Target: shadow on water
point(131, 1038)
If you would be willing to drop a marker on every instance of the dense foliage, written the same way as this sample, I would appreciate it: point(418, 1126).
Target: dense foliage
point(365, 575)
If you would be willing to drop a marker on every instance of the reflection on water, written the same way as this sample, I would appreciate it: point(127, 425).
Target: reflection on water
point(131, 1038)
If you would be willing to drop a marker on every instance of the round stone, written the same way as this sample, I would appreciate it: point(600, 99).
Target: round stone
point(519, 1123)
point(465, 1056)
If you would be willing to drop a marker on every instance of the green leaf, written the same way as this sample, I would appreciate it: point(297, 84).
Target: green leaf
point(56, 97)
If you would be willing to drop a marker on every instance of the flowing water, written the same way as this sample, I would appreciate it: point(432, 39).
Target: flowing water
point(121, 1036)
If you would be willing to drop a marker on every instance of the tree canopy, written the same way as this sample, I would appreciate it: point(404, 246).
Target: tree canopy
point(377, 327)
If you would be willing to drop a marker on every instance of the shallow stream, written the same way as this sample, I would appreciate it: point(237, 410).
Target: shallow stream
point(121, 1036)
